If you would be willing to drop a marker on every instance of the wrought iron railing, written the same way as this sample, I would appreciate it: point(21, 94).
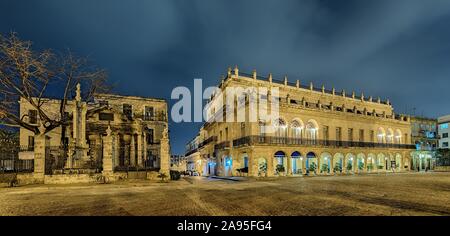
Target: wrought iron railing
point(272, 140)
point(16, 165)
point(207, 141)
point(222, 145)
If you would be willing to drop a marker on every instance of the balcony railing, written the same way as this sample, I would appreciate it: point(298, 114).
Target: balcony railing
point(271, 140)
point(222, 145)
point(207, 141)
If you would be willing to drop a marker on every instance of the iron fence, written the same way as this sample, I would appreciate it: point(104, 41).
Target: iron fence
point(129, 160)
point(58, 161)
point(16, 165)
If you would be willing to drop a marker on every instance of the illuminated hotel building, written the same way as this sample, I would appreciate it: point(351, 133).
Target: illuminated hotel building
point(317, 132)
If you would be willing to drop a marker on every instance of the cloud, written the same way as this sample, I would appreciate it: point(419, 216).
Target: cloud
point(392, 49)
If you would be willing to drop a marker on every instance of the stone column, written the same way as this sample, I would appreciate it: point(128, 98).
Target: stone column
point(252, 165)
point(304, 165)
point(41, 142)
point(139, 149)
point(165, 153)
point(108, 161)
point(132, 151)
point(355, 165)
point(319, 168)
point(288, 165)
point(270, 167)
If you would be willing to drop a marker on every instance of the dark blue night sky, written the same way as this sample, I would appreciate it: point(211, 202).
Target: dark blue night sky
point(396, 49)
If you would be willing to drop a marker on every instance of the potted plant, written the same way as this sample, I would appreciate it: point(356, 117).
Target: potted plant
point(262, 169)
point(369, 167)
point(349, 166)
point(280, 169)
point(324, 168)
point(338, 168)
point(360, 166)
point(312, 167)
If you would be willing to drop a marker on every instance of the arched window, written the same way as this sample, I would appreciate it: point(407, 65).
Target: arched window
point(398, 136)
point(296, 129)
point(311, 130)
point(380, 135)
point(280, 128)
point(390, 136)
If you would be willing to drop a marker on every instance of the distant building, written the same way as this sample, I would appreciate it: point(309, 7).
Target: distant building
point(178, 162)
point(443, 130)
point(424, 136)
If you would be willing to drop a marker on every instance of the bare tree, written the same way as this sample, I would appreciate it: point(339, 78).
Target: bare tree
point(33, 76)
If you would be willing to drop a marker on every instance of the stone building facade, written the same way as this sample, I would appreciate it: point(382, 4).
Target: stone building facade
point(425, 138)
point(317, 132)
point(130, 132)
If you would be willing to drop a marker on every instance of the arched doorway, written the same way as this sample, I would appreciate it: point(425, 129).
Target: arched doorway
point(349, 167)
point(390, 162)
point(311, 163)
point(262, 167)
point(296, 163)
point(243, 167)
point(279, 162)
point(381, 161)
point(228, 165)
point(360, 162)
point(325, 163)
point(338, 163)
point(398, 162)
point(371, 162)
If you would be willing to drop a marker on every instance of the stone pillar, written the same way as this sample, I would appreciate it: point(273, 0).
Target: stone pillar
point(108, 161)
point(165, 153)
point(252, 165)
point(270, 167)
point(139, 149)
point(132, 151)
point(288, 166)
point(319, 168)
point(41, 142)
point(355, 165)
point(304, 165)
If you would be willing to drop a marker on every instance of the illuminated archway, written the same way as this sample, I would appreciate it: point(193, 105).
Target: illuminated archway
point(296, 163)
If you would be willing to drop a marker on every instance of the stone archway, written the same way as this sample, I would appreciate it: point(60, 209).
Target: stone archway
point(371, 163)
point(325, 163)
point(360, 162)
point(348, 163)
point(296, 163)
point(228, 165)
point(262, 166)
point(279, 160)
point(338, 163)
point(311, 163)
point(381, 162)
point(398, 162)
